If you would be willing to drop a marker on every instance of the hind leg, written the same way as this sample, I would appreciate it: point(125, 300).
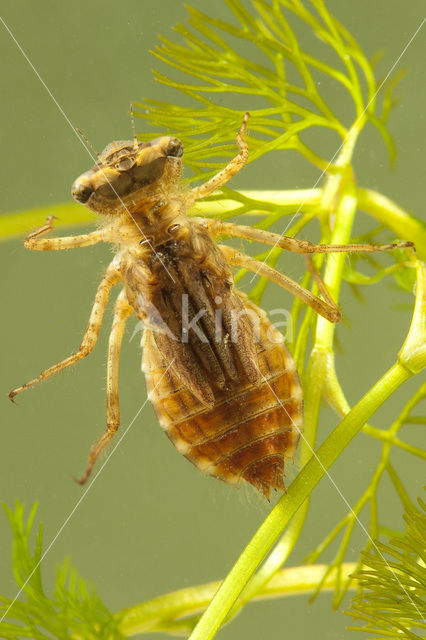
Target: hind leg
point(327, 308)
point(122, 311)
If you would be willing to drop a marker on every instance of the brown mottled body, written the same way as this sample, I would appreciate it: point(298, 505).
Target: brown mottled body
point(250, 430)
point(232, 401)
point(220, 377)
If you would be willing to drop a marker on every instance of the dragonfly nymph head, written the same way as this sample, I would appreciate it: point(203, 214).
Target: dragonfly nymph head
point(127, 173)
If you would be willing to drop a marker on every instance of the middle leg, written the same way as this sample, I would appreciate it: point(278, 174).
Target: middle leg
point(122, 311)
point(217, 228)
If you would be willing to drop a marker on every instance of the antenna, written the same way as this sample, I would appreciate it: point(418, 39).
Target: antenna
point(132, 118)
point(87, 141)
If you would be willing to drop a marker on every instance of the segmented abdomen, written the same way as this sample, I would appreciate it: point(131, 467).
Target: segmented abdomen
point(250, 430)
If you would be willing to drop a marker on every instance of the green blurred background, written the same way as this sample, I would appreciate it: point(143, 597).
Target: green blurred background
point(151, 522)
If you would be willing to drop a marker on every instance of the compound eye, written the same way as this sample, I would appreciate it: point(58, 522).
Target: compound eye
point(81, 191)
point(124, 164)
point(174, 148)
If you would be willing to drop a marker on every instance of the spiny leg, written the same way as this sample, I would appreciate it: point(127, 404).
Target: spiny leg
point(122, 311)
point(216, 227)
point(327, 308)
point(319, 281)
point(35, 242)
point(110, 278)
point(231, 168)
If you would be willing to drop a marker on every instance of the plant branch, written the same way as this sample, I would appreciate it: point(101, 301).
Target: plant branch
point(169, 609)
point(403, 224)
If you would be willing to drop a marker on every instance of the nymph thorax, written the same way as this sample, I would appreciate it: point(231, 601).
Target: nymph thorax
point(170, 263)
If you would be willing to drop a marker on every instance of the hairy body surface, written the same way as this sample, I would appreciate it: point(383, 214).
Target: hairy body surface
point(222, 382)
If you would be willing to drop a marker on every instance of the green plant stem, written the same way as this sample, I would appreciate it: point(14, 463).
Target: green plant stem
point(389, 439)
point(321, 377)
point(403, 224)
point(167, 608)
point(285, 196)
point(386, 436)
point(413, 351)
point(321, 360)
point(298, 492)
point(71, 214)
point(277, 558)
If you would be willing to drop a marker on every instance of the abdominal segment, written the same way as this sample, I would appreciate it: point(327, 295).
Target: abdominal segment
point(250, 429)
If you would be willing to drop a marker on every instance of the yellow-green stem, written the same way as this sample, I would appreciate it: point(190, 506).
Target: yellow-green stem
point(267, 534)
point(404, 225)
point(170, 607)
point(321, 361)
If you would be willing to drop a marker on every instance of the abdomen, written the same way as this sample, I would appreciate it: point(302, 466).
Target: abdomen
point(251, 430)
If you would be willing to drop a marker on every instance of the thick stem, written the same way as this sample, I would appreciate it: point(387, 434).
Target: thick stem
point(147, 616)
point(320, 363)
point(345, 214)
point(71, 214)
point(298, 492)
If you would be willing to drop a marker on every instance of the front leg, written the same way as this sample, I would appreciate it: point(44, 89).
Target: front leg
point(326, 308)
point(35, 242)
point(230, 170)
point(111, 277)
